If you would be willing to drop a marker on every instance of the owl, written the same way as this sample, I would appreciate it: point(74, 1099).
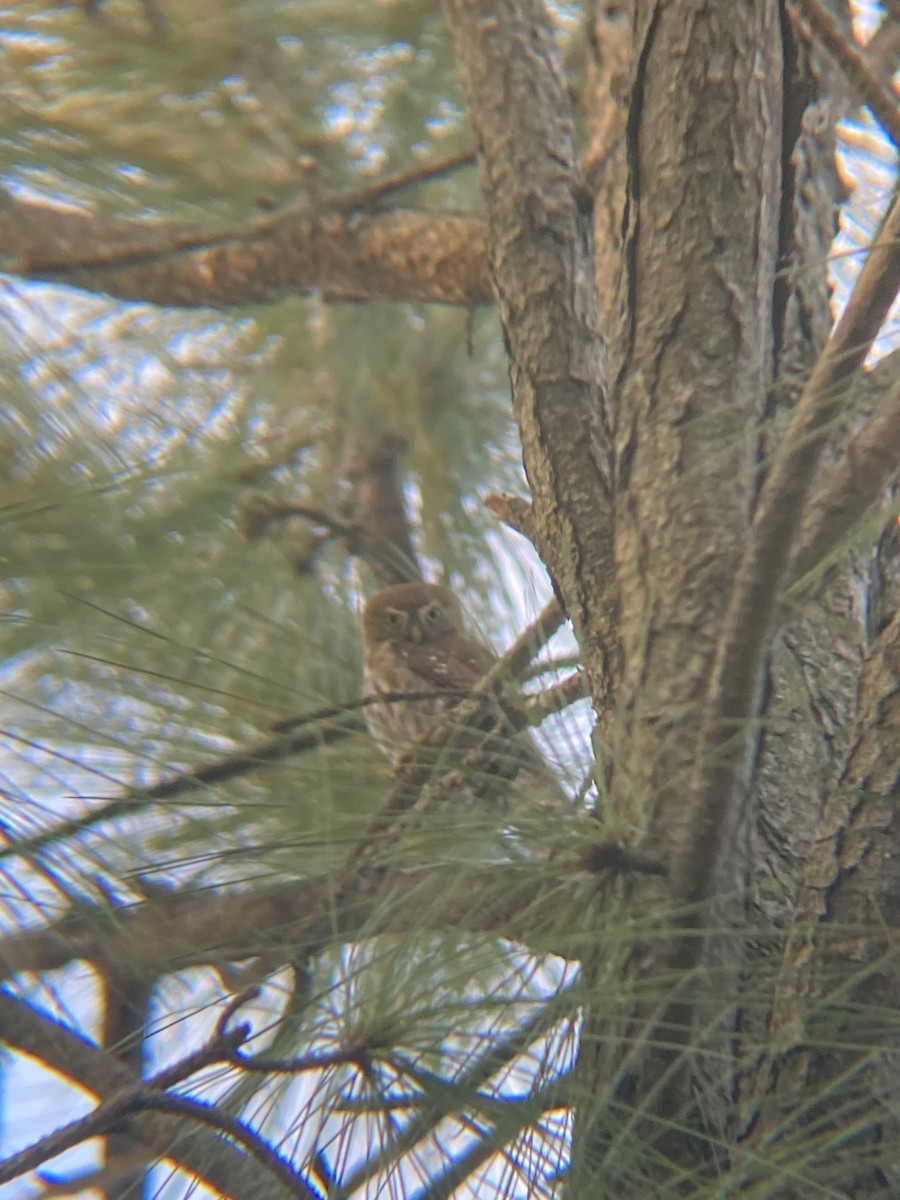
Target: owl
point(415, 644)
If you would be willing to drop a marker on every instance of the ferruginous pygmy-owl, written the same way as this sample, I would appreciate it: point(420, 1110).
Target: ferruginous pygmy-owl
point(416, 643)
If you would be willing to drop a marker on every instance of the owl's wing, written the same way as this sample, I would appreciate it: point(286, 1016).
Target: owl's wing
point(454, 662)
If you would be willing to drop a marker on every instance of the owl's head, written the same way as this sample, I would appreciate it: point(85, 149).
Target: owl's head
point(411, 612)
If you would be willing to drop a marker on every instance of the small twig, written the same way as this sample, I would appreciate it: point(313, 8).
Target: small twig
point(375, 528)
point(513, 511)
point(355, 1056)
point(557, 698)
point(852, 59)
point(339, 724)
point(257, 522)
point(530, 642)
point(325, 714)
point(367, 197)
point(617, 859)
point(237, 1001)
point(366, 1106)
point(551, 666)
point(230, 1045)
point(288, 451)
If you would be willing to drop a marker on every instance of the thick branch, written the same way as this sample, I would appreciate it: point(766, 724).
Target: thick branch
point(851, 485)
point(373, 524)
point(736, 676)
point(399, 255)
point(111, 1112)
point(382, 527)
point(514, 661)
point(541, 264)
point(296, 920)
point(127, 1004)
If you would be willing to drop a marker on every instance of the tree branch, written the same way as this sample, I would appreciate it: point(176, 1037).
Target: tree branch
point(221, 1048)
point(468, 1082)
point(383, 537)
point(373, 524)
point(371, 196)
point(542, 267)
point(126, 1008)
point(733, 691)
point(208, 1157)
point(305, 732)
point(852, 59)
point(403, 255)
point(850, 487)
point(294, 921)
point(324, 726)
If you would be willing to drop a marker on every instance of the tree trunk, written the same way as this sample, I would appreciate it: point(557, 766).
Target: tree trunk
point(710, 160)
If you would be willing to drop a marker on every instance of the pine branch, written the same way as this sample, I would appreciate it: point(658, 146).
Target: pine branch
point(852, 59)
point(207, 1156)
point(410, 255)
point(322, 727)
point(471, 1081)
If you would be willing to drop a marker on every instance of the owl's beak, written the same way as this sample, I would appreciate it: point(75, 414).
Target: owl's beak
point(416, 631)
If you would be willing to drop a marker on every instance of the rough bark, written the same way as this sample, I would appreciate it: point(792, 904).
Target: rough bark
point(541, 264)
point(437, 258)
point(703, 143)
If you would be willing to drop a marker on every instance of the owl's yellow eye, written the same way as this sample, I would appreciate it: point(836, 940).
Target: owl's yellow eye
point(393, 618)
point(432, 613)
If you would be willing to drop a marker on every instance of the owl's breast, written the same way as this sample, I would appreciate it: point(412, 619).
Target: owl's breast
point(398, 723)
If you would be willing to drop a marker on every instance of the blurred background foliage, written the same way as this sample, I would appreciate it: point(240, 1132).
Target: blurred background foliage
point(145, 629)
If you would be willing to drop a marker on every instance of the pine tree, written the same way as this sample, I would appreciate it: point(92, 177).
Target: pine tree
point(257, 255)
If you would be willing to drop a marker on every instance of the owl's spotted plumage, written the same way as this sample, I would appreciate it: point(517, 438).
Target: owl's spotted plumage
point(415, 643)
